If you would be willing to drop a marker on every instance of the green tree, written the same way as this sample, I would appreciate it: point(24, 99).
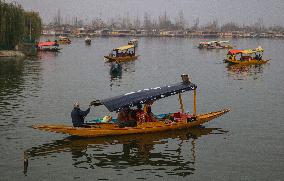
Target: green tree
point(16, 24)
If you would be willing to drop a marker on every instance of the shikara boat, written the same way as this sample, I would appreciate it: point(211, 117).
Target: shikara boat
point(88, 41)
point(122, 54)
point(215, 45)
point(133, 42)
point(49, 46)
point(63, 40)
point(246, 57)
point(115, 68)
point(167, 122)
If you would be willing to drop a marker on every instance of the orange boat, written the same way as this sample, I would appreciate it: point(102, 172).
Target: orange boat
point(246, 57)
point(165, 122)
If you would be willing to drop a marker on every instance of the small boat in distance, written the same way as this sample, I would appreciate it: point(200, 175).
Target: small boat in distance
point(50, 46)
point(246, 57)
point(122, 54)
point(63, 40)
point(88, 40)
point(215, 45)
point(145, 123)
point(133, 42)
point(115, 68)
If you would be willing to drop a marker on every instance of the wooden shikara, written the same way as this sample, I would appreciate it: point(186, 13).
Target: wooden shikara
point(111, 129)
point(175, 121)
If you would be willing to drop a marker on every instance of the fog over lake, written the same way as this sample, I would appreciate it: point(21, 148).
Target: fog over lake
point(241, 11)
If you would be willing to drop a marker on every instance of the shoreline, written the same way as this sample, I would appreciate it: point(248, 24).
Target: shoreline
point(11, 53)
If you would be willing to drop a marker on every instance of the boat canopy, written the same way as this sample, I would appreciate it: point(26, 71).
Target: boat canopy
point(63, 37)
point(126, 47)
point(233, 52)
point(48, 43)
point(224, 41)
point(134, 40)
point(142, 96)
point(248, 51)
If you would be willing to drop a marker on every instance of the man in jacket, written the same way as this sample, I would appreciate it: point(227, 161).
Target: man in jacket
point(78, 115)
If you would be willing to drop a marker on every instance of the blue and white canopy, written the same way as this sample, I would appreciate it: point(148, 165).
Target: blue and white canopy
point(142, 96)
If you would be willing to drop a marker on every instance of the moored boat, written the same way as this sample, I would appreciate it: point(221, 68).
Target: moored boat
point(122, 54)
point(51, 46)
point(63, 40)
point(215, 45)
point(165, 122)
point(246, 57)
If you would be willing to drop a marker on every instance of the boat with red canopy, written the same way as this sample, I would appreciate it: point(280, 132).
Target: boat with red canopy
point(246, 57)
point(51, 46)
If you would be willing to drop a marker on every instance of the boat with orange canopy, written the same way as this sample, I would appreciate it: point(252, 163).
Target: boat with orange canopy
point(163, 122)
point(246, 57)
point(51, 46)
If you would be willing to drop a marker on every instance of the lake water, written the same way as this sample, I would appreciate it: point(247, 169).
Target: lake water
point(244, 144)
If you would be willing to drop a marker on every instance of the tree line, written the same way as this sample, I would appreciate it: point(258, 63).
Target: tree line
point(17, 25)
point(163, 21)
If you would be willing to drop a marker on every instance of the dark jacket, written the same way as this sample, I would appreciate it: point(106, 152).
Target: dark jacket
point(78, 116)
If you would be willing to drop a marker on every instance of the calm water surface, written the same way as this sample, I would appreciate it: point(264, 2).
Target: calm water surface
point(245, 144)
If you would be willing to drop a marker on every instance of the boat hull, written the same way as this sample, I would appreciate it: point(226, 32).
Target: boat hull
point(250, 62)
point(121, 59)
point(110, 129)
point(50, 50)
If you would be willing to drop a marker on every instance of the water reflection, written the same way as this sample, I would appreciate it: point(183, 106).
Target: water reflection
point(167, 153)
point(243, 72)
point(19, 79)
point(45, 55)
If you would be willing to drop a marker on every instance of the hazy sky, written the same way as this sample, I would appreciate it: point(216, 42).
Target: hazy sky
point(239, 11)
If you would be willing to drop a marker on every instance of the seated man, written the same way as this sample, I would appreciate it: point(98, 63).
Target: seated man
point(140, 115)
point(150, 117)
point(78, 115)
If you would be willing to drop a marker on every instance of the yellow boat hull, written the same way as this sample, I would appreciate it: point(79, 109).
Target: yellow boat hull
point(247, 62)
point(121, 59)
point(110, 129)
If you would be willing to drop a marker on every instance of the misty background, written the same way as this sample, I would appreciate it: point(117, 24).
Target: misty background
point(242, 12)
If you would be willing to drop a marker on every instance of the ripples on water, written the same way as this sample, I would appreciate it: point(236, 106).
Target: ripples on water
point(161, 154)
point(43, 89)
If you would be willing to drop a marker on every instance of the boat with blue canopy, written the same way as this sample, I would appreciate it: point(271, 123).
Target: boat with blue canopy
point(163, 122)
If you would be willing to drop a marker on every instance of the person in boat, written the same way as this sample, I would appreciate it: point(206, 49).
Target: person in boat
point(56, 43)
point(149, 116)
point(78, 115)
point(139, 114)
point(126, 118)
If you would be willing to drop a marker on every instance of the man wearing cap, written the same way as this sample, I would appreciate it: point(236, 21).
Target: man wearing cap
point(78, 115)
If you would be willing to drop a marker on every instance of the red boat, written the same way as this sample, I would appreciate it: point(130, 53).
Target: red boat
point(51, 46)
